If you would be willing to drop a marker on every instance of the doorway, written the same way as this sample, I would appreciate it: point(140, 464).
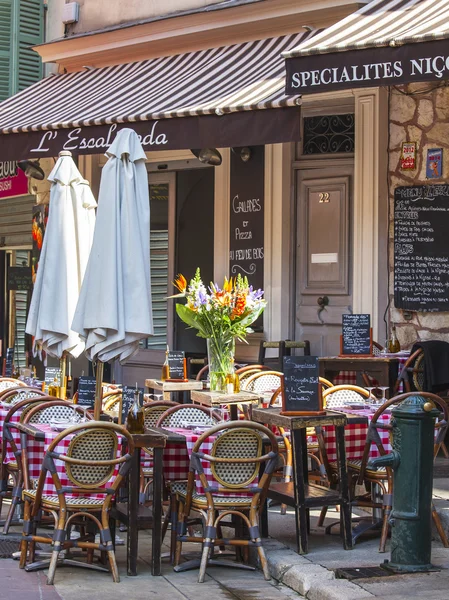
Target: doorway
point(323, 254)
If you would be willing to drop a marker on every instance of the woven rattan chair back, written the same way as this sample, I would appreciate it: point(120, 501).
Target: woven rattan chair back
point(236, 443)
point(15, 395)
point(112, 400)
point(412, 373)
point(187, 413)
point(264, 381)
point(325, 383)
point(57, 409)
point(377, 349)
point(153, 411)
point(9, 382)
point(344, 395)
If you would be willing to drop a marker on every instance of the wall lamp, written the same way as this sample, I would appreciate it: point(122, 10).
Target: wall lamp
point(243, 151)
point(32, 169)
point(208, 156)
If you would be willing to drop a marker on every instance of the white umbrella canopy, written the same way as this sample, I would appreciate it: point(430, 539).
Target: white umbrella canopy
point(114, 309)
point(65, 252)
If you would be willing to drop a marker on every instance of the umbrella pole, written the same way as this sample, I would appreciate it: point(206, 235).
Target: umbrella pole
point(63, 367)
point(98, 389)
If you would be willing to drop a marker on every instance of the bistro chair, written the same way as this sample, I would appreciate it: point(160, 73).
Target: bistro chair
point(14, 395)
point(325, 383)
point(344, 395)
point(284, 348)
point(263, 382)
point(412, 373)
point(204, 372)
point(10, 382)
point(89, 463)
point(112, 400)
point(180, 414)
point(14, 471)
point(234, 461)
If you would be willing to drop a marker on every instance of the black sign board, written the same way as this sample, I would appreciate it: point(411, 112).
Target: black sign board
point(86, 391)
point(9, 363)
point(127, 401)
point(372, 67)
point(176, 364)
point(421, 248)
point(50, 374)
point(356, 338)
point(301, 385)
point(19, 278)
point(246, 247)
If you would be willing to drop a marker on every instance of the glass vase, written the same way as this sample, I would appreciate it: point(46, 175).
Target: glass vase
point(220, 355)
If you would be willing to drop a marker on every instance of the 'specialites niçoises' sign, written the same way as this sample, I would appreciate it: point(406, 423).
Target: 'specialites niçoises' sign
point(370, 67)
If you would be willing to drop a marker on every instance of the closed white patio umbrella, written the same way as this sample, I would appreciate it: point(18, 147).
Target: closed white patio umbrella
point(114, 309)
point(65, 252)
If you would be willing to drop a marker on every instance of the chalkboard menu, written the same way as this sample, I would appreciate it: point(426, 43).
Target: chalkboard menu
point(356, 338)
point(86, 391)
point(127, 401)
point(301, 387)
point(19, 278)
point(246, 248)
point(176, 364)
point(421, 248)
point(50, 374)
point(9, 362)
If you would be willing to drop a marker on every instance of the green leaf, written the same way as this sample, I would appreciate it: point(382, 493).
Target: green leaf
point(190, 318)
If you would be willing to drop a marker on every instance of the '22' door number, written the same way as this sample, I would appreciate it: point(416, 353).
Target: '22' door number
point(324, 197)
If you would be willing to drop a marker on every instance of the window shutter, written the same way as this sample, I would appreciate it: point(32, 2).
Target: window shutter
point(5, 47)
point(27, 65)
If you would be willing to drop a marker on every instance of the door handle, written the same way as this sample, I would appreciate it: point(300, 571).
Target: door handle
point(322, 302)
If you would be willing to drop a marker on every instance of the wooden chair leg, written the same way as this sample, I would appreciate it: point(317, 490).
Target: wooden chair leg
point(322, 516)
point(24, 543)
point(208, 544)
point(180, 526)
point(53, 563)
point(385, 528)
point(439, 526)
point(113, 565)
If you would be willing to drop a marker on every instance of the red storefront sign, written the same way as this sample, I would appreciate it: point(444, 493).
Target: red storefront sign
point(13, 181)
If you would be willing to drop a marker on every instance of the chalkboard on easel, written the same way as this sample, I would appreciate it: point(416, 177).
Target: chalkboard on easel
point(127, 401)
point(9, 362)
point(86, 391)
point(176, 365)
point(357, 336)
point(301, 393)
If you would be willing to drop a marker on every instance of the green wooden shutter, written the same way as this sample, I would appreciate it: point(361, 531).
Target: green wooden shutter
point(5, 47)
point(30, 24)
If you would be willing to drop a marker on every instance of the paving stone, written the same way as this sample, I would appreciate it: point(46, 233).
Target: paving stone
point(302, 578)
point(337, 590)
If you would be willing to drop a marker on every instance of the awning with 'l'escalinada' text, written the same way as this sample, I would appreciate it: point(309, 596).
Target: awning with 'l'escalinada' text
point(387, 42)
point(219, 97)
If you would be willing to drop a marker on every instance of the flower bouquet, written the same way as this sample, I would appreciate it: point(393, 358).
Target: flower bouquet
point(220, 315)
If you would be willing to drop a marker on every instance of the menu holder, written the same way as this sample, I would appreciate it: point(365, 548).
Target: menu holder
point(177, 366)
point(301, 393)
point(50, 374)
point(357, 336)
point(86, 391)
point(127, 401)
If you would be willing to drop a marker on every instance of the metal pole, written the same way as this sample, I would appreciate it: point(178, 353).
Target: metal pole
point(98, 389)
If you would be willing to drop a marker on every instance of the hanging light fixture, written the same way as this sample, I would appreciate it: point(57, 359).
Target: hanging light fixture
point(243, 151)
point(32, 169)
point(208, 156)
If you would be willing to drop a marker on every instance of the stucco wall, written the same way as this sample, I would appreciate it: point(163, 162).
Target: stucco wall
point(421, 116)
point(98, 14)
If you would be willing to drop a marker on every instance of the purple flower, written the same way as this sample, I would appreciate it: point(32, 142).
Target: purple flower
point(255, 294)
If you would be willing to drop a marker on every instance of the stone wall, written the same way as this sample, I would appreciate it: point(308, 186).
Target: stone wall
point(419, 114)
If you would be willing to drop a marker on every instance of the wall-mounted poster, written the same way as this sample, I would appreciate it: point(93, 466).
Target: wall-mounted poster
point(13, 181)
point(434, 163)
point(408, 156)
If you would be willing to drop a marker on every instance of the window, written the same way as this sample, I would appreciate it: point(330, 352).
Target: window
point(328, 134)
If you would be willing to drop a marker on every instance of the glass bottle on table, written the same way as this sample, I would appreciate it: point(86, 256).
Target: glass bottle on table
point(166, 367)
point(135, 421)
point(393, 345)
point(53, 388)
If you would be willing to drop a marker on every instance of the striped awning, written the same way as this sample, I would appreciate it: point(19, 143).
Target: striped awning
point(221, 97)
point(408, 35)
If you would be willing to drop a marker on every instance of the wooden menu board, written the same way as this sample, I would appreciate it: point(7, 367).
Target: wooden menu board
point(19, 278)
point(356, 336)
point(86, 391)
point(421, 247)
point(301, 393)
point(50, 374)
point(176, 365)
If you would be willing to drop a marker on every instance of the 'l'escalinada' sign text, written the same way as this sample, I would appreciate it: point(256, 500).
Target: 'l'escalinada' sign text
point(372, 67)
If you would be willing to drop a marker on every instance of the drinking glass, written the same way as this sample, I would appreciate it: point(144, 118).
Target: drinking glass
point(371, 398)
point(158, 397)
point(384, 398)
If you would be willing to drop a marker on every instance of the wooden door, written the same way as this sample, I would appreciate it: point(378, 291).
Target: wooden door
point(323, 256)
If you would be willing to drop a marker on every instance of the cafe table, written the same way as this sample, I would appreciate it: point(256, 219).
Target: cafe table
point(130, 513)
point(299, 493)
point(167, 387)
point(384, 369)
point(217, 399)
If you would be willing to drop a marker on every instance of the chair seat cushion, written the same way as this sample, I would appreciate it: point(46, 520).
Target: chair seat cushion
point(71, 502)
point(356, 464)
point(219, 501)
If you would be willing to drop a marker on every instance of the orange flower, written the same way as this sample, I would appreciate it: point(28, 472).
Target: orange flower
point(181, 283)
point(223, 298)
point(239, 306)
point(227, 285)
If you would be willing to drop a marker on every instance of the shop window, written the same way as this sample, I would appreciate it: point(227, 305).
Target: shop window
point(328, 134)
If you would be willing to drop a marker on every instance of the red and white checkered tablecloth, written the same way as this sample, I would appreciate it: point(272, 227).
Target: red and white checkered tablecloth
point(4, 409)
point(37, 451)
point(177, 459)
point(350, 377)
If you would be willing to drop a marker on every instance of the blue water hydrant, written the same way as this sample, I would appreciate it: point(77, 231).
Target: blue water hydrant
point(413, 425)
